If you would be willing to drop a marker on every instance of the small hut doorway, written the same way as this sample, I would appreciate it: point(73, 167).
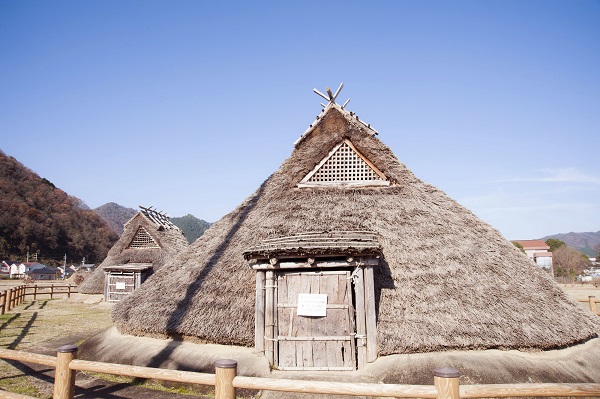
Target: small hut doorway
point(315, 300)
point(315, 320)
point(122, 280)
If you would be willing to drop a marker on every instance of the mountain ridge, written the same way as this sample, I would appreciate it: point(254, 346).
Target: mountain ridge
point(586, 242)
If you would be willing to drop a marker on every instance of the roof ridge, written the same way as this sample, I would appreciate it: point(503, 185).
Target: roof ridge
point(349, 115)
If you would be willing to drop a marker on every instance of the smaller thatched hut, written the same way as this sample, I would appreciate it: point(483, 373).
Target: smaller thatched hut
point(149, 238)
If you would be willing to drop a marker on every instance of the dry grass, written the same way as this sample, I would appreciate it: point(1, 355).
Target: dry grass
point(44, 325)
point(34, 324)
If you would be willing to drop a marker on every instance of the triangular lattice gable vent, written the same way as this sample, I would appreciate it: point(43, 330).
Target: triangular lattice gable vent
point(142, 240)
point(344, 166)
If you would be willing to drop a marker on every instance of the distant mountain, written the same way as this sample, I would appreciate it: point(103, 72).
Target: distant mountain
point(115, 215)
point(191, 226)
point(588, 243)
point(38, 217)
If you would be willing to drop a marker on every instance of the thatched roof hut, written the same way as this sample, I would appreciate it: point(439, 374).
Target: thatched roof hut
point(444, 279)
point(148, 237)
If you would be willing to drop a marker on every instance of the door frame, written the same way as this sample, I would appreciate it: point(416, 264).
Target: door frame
point(363, 293)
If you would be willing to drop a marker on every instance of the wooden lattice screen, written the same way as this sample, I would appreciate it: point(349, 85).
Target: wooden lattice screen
point(143, 240)
point(344, 164)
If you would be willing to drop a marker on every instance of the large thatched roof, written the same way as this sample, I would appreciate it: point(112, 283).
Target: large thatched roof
point(166, 241)
point(446, 280)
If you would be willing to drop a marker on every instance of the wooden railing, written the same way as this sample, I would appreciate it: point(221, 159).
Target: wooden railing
point(592, 303)
point(225, 380)
point(15, 295)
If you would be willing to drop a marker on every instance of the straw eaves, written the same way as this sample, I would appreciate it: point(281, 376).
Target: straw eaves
point(446, 280)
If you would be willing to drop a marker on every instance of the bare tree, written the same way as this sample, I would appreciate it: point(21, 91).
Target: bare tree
point(568, 263)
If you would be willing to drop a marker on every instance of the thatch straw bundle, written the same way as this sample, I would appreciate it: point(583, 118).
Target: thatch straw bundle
point(447, 280)
point(169, 238)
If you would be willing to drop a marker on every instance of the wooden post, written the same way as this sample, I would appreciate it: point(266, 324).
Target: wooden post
point(370, 314)
point(225, 372)
point(268, 334)
point(592, 300)
point(10, 298)
point(259, 320)
point(69, 291)
point(23, 292)
point(352, 318)
point(64, 377)
point(3, 307)
point(446, 382)
point(51, 291)
point(34, 292)
point(361, 326)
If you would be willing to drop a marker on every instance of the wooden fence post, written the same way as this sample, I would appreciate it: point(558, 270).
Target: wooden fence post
point(3, 308)
point(446, 382)
point(69, 292)
point(51, 291)
point(64, 377)
point(592, 300)
point(225, 372)
point(10, 298)
point(34, 292)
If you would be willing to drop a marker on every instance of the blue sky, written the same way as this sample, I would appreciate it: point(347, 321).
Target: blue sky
point(190, 105)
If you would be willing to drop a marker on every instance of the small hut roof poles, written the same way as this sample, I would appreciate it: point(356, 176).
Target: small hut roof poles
point(158, 217)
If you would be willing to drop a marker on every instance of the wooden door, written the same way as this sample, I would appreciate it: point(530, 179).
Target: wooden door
point(315, 342)
point(119, 286)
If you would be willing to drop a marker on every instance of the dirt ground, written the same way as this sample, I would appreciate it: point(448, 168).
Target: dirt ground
point(581, 291)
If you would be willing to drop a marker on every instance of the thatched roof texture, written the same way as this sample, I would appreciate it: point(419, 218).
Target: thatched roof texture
point(148, 237)
point(447, 280)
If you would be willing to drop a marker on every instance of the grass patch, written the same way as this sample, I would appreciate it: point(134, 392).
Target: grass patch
point(158, 385)
point(37, 322)
point(32, 324)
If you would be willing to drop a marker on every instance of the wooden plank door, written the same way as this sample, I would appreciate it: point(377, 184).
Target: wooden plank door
point(119, 286)
point(315, 342)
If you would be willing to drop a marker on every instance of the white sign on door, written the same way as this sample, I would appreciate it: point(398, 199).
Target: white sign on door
point(120, 285)
point(312, 305)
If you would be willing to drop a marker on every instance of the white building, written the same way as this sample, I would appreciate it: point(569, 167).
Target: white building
point(538, 251)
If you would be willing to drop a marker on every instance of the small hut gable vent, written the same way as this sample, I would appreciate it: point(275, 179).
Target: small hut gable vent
point(344, 166)
point(142, 240)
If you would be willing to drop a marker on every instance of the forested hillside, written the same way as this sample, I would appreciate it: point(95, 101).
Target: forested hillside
point(36, 216)
point(191, 226)
point(115, 215)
